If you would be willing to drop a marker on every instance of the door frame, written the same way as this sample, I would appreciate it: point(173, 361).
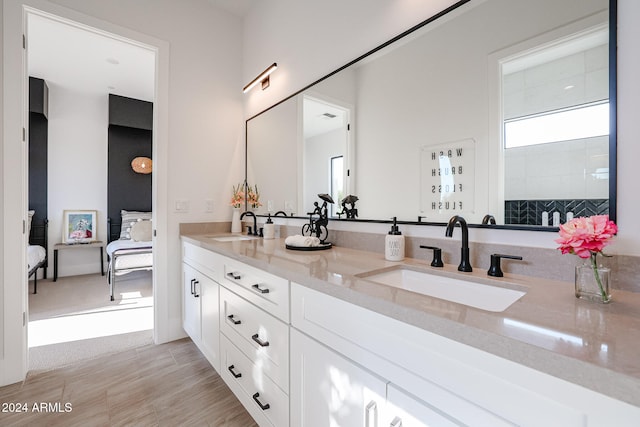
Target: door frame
point(13, 264)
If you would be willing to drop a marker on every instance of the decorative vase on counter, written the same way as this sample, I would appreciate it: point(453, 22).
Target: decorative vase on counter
point(592, 282)
point(236, 225)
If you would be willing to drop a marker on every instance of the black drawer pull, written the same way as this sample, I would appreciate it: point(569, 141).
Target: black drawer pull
point(235, 375)
point(259, 289)
point(259, 341)
point(235, 322)
point(234, 275)
point(195, 294)
point(192, 291)
point(263, 407)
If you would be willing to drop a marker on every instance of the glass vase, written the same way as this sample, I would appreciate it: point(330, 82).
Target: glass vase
point(592, 283)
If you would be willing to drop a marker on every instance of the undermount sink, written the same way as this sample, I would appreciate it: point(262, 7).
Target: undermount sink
point(458, 290)
point(234, 238)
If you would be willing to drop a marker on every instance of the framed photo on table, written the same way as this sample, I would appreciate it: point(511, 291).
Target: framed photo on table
point(79, 226)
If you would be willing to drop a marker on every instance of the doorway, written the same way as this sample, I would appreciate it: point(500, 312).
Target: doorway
point(326, 151)
point(82, 66)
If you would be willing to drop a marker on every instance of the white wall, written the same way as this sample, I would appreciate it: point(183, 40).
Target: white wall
point(2, 233)
point(275, 156)
point(318, 151)
point(77, 170)
point(306, 47)
point(310, 39)
point(628, 126)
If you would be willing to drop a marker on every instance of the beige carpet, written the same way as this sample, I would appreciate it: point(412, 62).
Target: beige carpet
point(72, 319)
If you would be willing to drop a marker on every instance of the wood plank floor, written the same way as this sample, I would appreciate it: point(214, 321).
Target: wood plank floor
point(170, 384)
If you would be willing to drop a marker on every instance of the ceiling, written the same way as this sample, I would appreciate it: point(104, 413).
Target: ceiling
point(321, 117)
point(77, 59)
point(80, 60)
point(235, 7)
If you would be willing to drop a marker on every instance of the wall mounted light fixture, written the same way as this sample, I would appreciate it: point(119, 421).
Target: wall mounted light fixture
point(142, 165)
point(262, 78)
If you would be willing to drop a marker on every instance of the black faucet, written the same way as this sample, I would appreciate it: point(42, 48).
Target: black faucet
point(284, 214)
point(255, 222)
point(489, 219)
point(465, 265)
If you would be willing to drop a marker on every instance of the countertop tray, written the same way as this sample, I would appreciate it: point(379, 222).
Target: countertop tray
point(321, 247)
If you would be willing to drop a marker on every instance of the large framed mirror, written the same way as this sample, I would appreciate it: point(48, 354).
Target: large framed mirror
point(513, 125)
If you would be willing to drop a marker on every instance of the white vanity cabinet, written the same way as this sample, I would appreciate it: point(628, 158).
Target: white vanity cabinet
point(430, 380)
point(200, 301)
point(329, 390)
point(254, 340)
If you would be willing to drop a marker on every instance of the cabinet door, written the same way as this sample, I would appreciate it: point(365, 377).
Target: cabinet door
point(191, 302)
point(329, 390)
point(403, 410)
point(210, 321)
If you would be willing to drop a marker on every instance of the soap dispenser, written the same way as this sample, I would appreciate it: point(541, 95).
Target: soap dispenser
point(269, 229)
point(394, 244)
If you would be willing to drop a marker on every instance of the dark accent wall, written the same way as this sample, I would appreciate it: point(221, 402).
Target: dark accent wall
point(129, 112)
point(38, 96)
point(38, 142)
point(130, 136)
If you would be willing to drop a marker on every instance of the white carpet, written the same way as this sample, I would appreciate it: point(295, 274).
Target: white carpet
point(73, 319)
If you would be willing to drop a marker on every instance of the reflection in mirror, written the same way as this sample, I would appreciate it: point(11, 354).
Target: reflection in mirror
point(555, 106)
point(275, 164)
point(325, 151)
point(428, 115)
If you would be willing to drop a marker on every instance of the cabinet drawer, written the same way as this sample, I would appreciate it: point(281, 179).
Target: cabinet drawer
point(202, 259)
point(264, 400)
point(269, 292)
point(261, 337)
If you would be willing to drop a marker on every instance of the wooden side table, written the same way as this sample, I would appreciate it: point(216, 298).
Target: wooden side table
point(63, 246)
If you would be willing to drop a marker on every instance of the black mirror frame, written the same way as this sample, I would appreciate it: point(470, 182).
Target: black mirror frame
point(613, 137)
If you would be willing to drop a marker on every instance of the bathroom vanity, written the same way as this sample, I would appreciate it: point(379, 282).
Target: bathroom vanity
point(318, 339)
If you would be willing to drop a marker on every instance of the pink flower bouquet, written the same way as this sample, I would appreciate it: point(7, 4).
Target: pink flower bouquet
point(587, 237)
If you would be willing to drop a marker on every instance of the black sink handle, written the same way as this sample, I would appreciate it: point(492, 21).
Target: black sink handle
point(494, 269)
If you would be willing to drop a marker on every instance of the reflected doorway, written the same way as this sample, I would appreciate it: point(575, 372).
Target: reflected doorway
point(326, 128)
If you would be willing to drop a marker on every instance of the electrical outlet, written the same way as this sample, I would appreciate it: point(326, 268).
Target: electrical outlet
point(182, 206)
point(270, 205)
point(208, 205)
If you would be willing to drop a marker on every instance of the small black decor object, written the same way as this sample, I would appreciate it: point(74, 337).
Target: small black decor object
point(318, 227)
point(351, 212)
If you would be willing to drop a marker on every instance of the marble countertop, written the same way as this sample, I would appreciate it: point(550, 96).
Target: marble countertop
point(548, 329)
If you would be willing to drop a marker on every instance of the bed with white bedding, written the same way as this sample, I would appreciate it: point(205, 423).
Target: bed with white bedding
point(133, 251)
point(36, 249)
point(35, 256)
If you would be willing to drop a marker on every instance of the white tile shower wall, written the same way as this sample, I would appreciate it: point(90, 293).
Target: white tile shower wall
point(542, 88)
point(562, 170)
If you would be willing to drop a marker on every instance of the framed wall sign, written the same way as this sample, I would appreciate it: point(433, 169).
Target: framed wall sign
point(447, 173)
point(79, 226)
